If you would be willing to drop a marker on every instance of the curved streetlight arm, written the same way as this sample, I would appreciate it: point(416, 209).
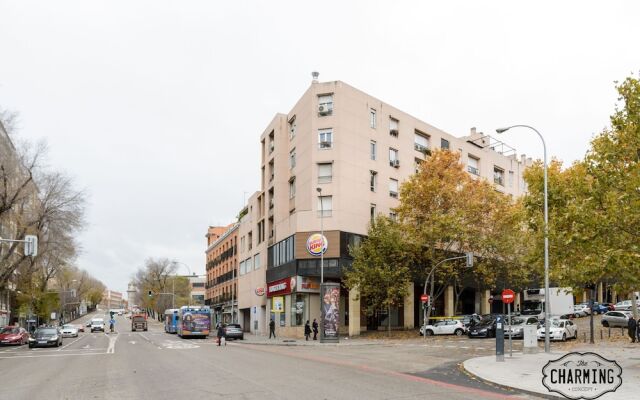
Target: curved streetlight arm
point(547, 301)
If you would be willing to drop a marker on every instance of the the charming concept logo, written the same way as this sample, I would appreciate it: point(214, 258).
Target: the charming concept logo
point(317, 244)
point(582, 376)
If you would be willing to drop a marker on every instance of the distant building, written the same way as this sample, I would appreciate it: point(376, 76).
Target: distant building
point(111, 300)
point(197, 284)
point(221, 288)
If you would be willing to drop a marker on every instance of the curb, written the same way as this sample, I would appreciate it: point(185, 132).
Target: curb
point(506, 387)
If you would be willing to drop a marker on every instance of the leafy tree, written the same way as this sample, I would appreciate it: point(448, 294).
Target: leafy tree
point(594, 219)
point(158, 276)
point(380, 270)
point(445, 212)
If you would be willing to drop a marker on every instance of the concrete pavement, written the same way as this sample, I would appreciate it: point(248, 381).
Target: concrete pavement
point(524, 372)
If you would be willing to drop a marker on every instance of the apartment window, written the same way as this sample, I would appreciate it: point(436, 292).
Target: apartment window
point(243, 244)
point(242, 268)
point(393, 216)
point(325, 206)
point(498, 176)
point(393, 158)
point(325, 172)
point(271, 142)
point(292, 158)
point(393, 188)
point(249, 241)
point(325, 104)
point(256, 262)
point(373, 180)
point(393, 127)
point(372, 212)
point(292, 127)
point(510, 179)
point(421, 142)
point(292, 187)
point(372, 149)
point(416, 164)
point(473, 165)
point(444, 144)
point(248, 265)
point(372, 118)
point(325, 138)
point(271, 171)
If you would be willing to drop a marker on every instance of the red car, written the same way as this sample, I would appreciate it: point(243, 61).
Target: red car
point(14, 335)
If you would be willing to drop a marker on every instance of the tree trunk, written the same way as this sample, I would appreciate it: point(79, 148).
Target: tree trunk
point(634, 306)
point(389, 321)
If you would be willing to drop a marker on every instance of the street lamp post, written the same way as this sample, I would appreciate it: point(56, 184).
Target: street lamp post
point(547, 305)
point(321, 234)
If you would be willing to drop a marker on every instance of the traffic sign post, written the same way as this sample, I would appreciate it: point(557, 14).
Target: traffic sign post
point(508, 296)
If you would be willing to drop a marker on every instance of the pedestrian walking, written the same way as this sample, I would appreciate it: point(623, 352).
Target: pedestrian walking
point(307, 331)
point(221, 338)
point(315, 329)
point(272, 329)
point(631, 327)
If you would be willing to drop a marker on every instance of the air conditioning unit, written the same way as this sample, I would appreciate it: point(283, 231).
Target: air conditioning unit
point(395, 163)
point(393, 132)
point(324, 109)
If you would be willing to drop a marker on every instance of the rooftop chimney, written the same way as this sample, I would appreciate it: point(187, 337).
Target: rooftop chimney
point(473, 131)
point(315, 75)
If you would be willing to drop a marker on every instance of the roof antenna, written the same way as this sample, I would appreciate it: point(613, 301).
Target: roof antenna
point(315, 75)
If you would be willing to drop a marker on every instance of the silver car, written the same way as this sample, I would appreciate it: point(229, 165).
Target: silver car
point(616, 318)
point(517, 326)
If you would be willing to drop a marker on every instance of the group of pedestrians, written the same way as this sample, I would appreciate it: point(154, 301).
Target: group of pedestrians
point(308, 329)
point(633, 330)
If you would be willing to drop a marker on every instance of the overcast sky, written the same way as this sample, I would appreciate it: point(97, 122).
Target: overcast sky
point(155, 108)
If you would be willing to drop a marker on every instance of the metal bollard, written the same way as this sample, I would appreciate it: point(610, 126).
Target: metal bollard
point(499, 339)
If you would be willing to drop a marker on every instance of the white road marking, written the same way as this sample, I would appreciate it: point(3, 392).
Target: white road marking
point(69, 344)
point(54, 355)
point(132, 342)
point(112, 344)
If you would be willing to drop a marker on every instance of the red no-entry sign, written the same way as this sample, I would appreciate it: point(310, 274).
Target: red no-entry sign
point(508, 296)
point(424, 298)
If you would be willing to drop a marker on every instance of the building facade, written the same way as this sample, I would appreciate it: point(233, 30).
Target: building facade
point(334, 162)
point(111, 300)
point(197, 284)
point(221, 287)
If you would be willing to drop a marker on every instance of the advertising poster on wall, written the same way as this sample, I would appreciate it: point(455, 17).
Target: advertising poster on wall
point(277, 304)
point(330, 295)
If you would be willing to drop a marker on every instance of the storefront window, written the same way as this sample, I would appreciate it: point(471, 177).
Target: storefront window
point(299, 309)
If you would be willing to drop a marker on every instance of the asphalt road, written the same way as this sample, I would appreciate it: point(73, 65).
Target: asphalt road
point(155, 365)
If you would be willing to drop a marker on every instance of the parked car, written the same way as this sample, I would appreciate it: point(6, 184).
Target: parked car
point(486, 327)
point(97, 324)
point(448, 327)
point(559, 329)
point(47, 336)
point(233, 331)
point(469, 320)
point(610, 306)
point(599, 308)
point(625, 305)
point(14, 335)
point(69, 330)
point(616, 318)
point(581, 310)
point(518, 324)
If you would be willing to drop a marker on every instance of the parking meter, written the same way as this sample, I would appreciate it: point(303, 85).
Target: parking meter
point(500, 338)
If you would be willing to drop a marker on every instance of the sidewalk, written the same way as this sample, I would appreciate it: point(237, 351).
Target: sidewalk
point(524, 371)
point(287, 341)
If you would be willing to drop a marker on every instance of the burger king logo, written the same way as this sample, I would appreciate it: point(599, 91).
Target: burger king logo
point(260, 291)
point(317, 244)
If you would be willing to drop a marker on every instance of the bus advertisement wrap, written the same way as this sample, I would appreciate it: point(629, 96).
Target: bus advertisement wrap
point(194, 321)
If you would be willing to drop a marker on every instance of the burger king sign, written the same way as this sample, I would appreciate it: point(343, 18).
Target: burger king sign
point(317, 244)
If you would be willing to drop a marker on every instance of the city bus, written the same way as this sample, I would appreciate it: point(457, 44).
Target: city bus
point(171, 320)
point(194, 321)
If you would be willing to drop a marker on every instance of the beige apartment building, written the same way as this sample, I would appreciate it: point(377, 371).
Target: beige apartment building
point(338, 159)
